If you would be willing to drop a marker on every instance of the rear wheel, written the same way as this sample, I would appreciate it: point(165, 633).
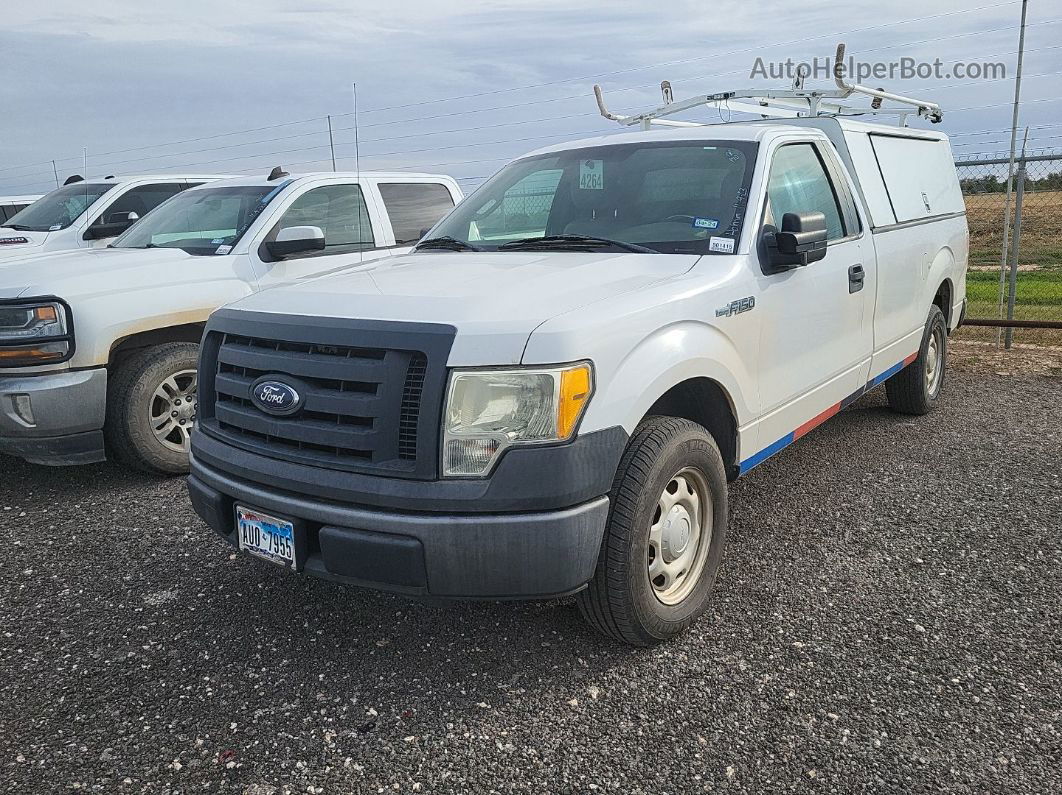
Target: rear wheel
point(664, 539)
point(151, 408)
point(915, 389)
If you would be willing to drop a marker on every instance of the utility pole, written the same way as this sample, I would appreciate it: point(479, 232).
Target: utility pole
point(56, 172)
point(1010, 163)
point(1012, 293)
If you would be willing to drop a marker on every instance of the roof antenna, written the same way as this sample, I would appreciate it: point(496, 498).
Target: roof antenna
point(357, 177)
point(277, 173)
point(74, 178)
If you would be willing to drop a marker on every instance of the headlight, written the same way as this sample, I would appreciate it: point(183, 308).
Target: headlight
point(488, 411)
point(36, 331)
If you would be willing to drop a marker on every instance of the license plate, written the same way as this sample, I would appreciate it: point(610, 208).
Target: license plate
point(266, 536)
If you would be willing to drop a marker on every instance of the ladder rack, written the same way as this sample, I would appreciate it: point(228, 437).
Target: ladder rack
point(786, 103)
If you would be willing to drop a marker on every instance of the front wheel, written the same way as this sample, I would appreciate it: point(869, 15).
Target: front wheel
point(151, 408)
point(664, 539)
point(915, 389)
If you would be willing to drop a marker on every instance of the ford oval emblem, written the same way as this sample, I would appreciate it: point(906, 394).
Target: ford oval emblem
point(276, 397)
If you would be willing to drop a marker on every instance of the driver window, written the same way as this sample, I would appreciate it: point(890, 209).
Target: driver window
point(339, 210)
point(798, 184)
point(142, 200)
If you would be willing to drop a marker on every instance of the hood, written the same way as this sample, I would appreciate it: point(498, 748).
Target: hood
point(76, 274)
point(14, 243)
point(494, 299)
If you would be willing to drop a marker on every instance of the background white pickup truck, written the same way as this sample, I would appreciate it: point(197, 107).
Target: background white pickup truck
point(101, 345)
point(86, 214)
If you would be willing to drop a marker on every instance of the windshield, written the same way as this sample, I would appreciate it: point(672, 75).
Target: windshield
point(685, 197)
point(58, 209)
point(201, 220)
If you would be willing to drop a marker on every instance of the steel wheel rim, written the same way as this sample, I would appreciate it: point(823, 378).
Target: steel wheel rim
point(934, 365)
point(172, 410)
point(680, 536)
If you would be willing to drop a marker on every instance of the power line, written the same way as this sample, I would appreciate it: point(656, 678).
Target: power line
point(567, 80)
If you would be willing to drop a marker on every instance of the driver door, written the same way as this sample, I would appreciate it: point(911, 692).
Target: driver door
point(817, 330)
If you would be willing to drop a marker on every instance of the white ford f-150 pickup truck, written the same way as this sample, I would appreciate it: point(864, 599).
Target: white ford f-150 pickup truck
point(86, 214)
point(550, 395)
point(98, 348)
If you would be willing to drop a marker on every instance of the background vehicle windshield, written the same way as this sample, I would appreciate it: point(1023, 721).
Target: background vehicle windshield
point(201, 220)
point(673, 197)
point(58, 209)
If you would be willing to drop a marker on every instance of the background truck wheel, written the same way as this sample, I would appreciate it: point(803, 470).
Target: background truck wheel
point(151, 407)
point(915, 388)
point(665, 535)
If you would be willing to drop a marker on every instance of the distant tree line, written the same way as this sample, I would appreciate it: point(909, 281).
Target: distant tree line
point(990, 183)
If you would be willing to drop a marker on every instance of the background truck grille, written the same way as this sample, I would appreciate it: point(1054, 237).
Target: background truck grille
point(364, 405)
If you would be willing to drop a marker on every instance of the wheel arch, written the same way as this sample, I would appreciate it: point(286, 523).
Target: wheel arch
point(943, 298)
point(125, 346)
point(704, 401)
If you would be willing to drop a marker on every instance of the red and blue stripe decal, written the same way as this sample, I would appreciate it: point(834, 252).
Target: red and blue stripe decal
point(818, 419)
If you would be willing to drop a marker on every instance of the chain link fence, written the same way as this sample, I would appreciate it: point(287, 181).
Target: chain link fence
point(1027, 286)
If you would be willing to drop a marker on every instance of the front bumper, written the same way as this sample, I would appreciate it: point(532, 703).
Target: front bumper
point(65, 421)
point(523, 555)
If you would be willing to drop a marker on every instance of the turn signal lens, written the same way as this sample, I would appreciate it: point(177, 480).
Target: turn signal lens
point(573, 397)
point(46, 314)
point(37, 354)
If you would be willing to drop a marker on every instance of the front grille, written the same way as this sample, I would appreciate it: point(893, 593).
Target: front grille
point(364, 404)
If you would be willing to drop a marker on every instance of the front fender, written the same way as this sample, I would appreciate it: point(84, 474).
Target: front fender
point(630, 385)
point(104, 320)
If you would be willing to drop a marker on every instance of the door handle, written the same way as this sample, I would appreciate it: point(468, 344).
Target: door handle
point(856, 276)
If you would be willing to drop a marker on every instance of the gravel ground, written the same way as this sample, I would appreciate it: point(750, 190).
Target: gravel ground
point(887, 619)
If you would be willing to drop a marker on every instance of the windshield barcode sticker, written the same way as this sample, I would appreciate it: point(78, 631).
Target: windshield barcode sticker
point(724, 245)
point(592, 175)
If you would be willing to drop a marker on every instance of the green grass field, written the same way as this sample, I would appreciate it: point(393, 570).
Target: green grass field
point(1038, 295)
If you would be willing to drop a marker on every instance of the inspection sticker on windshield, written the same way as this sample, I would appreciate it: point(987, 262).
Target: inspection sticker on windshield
point(592, 175)
point(724, 245)
point(223, 250)
point(705, 223)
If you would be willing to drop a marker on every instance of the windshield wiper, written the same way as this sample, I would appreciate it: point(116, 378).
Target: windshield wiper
point(21, 228)
point(446, 243)
point(578, 242)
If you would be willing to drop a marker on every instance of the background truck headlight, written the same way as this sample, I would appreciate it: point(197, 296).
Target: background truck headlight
point(488, 411)
point(34, 331)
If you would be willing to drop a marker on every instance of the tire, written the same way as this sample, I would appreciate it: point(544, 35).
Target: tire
point(915, 389)
point(155, 382)
point(621, 600)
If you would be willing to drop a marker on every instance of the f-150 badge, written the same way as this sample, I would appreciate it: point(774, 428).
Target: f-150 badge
point(736, 307)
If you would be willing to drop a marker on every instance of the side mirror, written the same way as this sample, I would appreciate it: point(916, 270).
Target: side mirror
point(801, 240)
point(123, 218)
point(111, 226)
point(296, 240)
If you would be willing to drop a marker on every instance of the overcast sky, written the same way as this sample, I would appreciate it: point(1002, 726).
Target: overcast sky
point(147, 89)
